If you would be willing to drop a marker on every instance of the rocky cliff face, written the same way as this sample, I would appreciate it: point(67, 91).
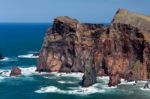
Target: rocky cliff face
point(122, 50)
point(125, 53)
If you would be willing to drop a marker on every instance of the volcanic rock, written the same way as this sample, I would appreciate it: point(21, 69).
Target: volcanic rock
point(121, 50)
point(67, 46)
point(15, 71)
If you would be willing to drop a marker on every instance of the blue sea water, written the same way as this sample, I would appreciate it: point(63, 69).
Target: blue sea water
point(18, 41)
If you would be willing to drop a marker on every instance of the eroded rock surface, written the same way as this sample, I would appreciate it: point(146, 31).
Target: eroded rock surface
point(15, 71)
point(67, 46)
point(122, 50)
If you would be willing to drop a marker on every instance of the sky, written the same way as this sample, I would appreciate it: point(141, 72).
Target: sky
point(95, 11)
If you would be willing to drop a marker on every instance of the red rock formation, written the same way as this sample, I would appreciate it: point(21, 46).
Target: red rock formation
point(15, 71)
point(67, 47)
point(121, 50)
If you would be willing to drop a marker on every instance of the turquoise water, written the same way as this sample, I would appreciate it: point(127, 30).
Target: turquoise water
point(18, 42)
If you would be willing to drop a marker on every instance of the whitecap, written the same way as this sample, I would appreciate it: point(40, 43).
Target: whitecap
point(28, 56)
point(66, 82)
point(5, 73)
point(105, 79)
point(1, 78)
point(24, 71)
point(49, 89)
point(76, 75)
point(74, 90)
point(28, 70)
point(145, 89)
point(5, 59)
point(87, 90)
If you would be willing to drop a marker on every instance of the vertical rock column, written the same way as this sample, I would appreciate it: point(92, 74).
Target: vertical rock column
point(89, 77)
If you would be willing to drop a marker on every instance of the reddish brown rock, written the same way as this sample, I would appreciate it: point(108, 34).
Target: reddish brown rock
point(67, 46)
point(121, 50)
point(15, 71)
point(114, 80)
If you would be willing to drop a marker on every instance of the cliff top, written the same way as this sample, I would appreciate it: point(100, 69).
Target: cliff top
point(138, 20)
point(66, 19)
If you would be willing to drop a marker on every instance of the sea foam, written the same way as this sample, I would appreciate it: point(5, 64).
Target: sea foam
point(28, 56)
point(25, 71)
point(7, 59)
point(72, 90)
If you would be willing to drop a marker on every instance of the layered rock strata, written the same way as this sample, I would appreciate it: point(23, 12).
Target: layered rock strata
point(121, 50)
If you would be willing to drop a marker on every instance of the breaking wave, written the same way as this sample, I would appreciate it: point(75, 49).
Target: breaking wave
point(7, 59)
point(73, 90)
point(25, 71)
point(28, 56)
point(66, 82)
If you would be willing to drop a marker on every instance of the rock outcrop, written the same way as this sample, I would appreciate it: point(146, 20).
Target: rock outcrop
point(138, 20)
point(69, 47)
point(121, 50)
point(135, 40)
point(15, 71)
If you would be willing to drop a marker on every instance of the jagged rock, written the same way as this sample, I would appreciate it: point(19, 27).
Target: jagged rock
point(15, 71)
point(64, 45)
point(114, 80)
point(137, 20)
point(140, 21)
point(121, 50)
point(125, 53)
point(133, 30)
point(89, 77)
point(146, 86)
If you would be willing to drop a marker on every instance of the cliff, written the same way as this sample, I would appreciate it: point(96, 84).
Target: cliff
point(140, 21)
point(121, 50)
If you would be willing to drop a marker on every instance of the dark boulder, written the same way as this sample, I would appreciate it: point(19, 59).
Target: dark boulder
point(15, 71)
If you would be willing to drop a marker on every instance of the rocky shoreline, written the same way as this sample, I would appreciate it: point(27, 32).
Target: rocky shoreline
point(121, 50)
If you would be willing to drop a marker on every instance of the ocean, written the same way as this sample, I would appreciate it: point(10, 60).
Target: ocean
point(18, 42)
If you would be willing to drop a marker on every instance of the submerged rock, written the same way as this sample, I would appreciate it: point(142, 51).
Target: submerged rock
point(121, 50)
point(1, 57)
point(15, 71)
point(146, 86)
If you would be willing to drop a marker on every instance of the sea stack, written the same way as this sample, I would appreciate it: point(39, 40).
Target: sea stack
point(121, 50)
